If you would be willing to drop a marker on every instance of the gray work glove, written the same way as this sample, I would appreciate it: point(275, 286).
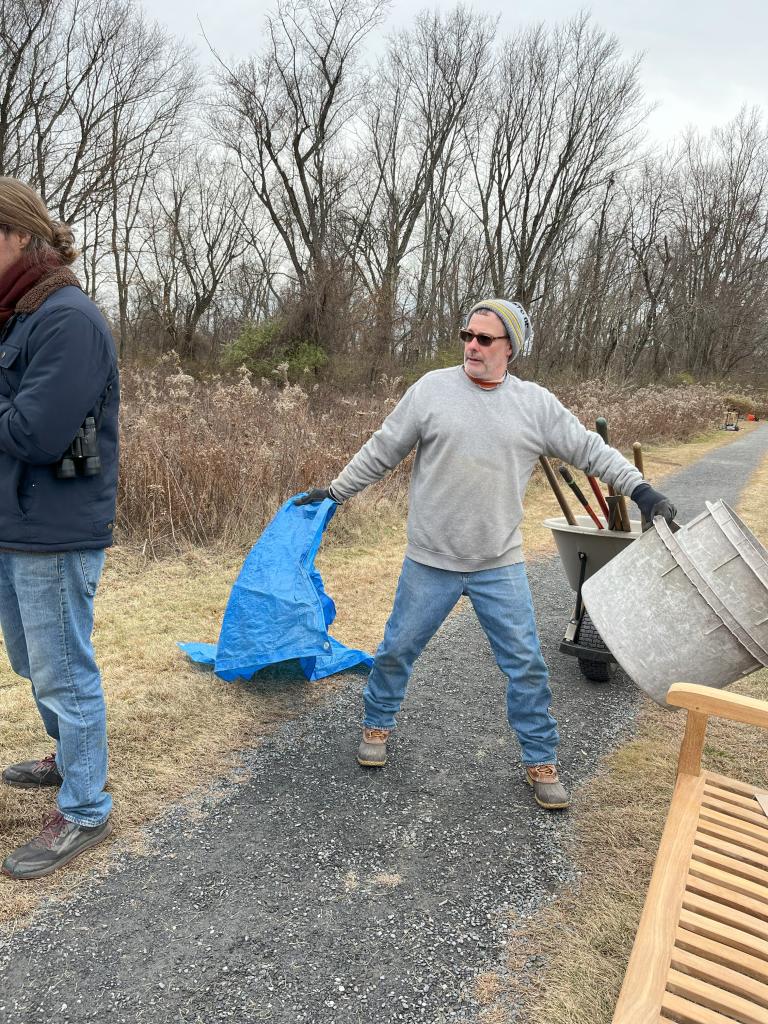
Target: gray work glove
point(653, 503)
point(315, 496)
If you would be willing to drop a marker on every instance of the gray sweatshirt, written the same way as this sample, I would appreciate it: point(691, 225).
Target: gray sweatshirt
point(475, 452)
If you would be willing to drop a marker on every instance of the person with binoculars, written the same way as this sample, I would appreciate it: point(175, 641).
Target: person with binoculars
point(59, 398)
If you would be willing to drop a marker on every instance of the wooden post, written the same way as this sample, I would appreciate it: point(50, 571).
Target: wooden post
point(692, 747)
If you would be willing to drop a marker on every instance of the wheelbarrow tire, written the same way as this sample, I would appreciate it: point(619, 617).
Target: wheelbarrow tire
point(595, 671)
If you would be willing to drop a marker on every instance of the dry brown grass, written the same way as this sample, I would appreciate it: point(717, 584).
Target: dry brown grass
point(173, 727)
point(208, 461)
point(619, 817)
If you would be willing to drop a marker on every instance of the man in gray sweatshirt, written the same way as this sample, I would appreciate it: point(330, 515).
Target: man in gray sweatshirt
point(478, 433)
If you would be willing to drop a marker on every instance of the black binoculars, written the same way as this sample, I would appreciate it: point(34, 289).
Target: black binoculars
point(82, 456)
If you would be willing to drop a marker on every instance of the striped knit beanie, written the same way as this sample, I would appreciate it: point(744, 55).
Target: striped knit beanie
point(516, 322)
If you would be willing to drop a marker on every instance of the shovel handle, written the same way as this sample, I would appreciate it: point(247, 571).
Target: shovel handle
point(622, 514)
point(554, 483)
point(637, 452)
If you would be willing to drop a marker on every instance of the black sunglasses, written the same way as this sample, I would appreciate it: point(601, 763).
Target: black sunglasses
point(482, 339)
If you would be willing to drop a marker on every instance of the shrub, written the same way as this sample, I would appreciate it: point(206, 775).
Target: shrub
point(739, 403)
point(211, 460)
point(260, 348)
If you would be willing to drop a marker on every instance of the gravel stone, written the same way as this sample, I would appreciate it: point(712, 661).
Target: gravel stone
point(316, 892)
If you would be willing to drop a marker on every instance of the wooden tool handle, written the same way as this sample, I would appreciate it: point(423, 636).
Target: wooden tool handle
point(637, 451)
point(554, 483)
point(601, 426)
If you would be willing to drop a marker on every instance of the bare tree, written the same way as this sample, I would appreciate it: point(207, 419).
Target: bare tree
point(285, 114)
point(193, 237)
point(420, 96)
point(154, 83)
point(717, 292)
point(560, 120)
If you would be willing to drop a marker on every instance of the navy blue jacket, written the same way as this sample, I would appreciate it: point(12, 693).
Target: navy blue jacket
point(58, 365)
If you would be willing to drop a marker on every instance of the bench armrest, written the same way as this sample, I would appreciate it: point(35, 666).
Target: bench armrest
point(706, 700)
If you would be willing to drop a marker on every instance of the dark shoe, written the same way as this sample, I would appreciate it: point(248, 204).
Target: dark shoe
point(548, 790)
point(372, 752)
point(59, 843)
point(33, 774)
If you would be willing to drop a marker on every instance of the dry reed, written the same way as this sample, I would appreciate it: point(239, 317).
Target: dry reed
point(209, 461)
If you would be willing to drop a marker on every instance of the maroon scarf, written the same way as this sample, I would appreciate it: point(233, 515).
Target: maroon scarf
point(18, 279)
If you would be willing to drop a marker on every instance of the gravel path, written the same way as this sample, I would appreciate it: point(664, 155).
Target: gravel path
point(721, 474)
point(314, 891)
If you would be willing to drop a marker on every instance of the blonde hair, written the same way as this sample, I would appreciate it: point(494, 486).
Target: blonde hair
point(23, 210)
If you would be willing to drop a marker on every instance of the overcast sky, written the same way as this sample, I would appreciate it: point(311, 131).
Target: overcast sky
point(703, 59)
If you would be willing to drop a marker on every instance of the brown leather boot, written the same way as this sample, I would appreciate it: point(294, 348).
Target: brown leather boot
point(548, 790)
point(372, 752)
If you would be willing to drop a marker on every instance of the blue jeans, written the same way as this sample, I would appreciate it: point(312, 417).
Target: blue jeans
point(502, 602)
point(46, 614)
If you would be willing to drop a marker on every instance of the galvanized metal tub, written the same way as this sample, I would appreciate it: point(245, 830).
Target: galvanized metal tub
point(734, 564)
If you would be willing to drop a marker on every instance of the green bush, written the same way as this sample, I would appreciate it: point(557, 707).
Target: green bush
point(681, 379)
point(256, 348)
point(262, 347)
point(306, 356)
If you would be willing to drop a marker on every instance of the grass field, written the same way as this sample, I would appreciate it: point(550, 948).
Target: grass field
point(173, 727)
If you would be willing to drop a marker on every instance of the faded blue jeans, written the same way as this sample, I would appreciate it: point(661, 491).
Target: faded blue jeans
point(502, 602)
point(46, 614)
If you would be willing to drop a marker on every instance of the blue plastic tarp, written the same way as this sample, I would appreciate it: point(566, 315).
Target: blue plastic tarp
point(278, 609)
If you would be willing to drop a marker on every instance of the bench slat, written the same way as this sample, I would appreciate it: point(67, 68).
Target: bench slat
point(731, 850)
point(726, 915)
point(731, 864)
point(729, 956)
point(733, 785)
point(690, 1013)
point(753, 813)
point(717, 999)
point(757, 892)
point(731, 904)
point(744, 800)
point(728, 978)
point(728, 934)
point(757, 835)
point(732, 836)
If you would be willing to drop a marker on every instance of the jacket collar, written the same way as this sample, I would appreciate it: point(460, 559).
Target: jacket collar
point(32, 300)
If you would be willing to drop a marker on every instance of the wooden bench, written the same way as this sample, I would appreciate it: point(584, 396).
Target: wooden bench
point(701, 951)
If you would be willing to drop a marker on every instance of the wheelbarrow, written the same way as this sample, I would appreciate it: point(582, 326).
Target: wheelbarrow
point(583, 550)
